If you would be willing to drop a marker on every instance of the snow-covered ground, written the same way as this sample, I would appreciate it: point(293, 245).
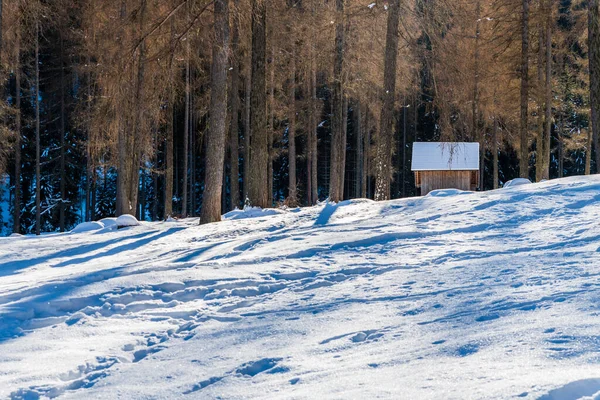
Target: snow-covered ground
point(453, 295)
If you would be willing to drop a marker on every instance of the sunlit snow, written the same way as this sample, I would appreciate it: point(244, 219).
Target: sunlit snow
point(453, 295)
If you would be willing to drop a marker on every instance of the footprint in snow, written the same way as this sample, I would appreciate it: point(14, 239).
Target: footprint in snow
point(249, 369)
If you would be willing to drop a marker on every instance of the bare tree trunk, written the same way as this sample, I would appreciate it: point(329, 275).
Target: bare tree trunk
point(1, 38)
point(594, 66)
point(63, 177)
point(343, 143)
point(524, 151)
point(38, 176)
point(540, 94)
point(404, 169)
point(358, 132)
point(292, 183)
point(247, 130)
point(561, 147)
point(588, 152)
point(134, 180)
point(154, 211)
point(309, 138)
point(336, 176)
point(495, 151)
point(477, 133)
point(234, 101)
point(258, 174)
point(364, 190)
point(215, 140)
point(271, 121)
point(313, 111)
point(548, 111)
point(168, 210)
point(186, 129)
point(17, 198)
point(383, 170)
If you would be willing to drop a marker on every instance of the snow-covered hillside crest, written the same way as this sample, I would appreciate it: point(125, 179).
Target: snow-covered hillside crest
point(476, 295)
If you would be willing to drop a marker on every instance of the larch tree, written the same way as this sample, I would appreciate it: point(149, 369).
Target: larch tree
point(259, 147)
point(338, 139)
point(594, 67)
point(524, 75)
point(385, 140)
point(215, 146)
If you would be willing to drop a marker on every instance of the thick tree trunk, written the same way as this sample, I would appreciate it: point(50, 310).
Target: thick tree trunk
point(38, 176)
point(338, 145)
point(524, 150)
point(234, 101)
point(383, 170)
point(259, 145)
point(215, 140)
point(130, 142)
point(594, 66)
point(17, 197)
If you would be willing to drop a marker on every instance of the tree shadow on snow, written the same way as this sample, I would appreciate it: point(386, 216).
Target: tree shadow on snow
point(12, 267)
point(52, 299)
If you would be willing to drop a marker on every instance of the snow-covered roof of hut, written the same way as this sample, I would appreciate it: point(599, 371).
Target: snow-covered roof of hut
point(445, 156)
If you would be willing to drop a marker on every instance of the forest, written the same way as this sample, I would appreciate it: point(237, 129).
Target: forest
point(177, 108)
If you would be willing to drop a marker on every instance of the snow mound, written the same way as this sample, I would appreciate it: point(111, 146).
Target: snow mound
point(109, 222)
point(517, 182)
point(88, 227)
point(354, 201)
point(127, 220)
point(252, 212)
point(447, 192)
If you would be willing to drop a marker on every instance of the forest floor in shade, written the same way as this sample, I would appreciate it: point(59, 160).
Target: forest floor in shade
point(452, 295)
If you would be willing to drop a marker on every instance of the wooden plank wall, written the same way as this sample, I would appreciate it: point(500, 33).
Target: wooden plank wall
point(433, 180)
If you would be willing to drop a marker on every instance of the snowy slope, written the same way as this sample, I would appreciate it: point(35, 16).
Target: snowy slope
point(453, 295)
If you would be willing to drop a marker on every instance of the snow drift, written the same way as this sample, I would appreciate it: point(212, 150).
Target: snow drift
point(485, 295)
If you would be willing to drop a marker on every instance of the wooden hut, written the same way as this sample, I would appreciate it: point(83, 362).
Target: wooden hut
point(445, 165)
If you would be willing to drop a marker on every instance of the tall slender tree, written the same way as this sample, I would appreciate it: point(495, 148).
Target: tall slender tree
point(338, 139)
point(234, 101)
point(524, 72)
point(594, 66)
point(259, 147)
